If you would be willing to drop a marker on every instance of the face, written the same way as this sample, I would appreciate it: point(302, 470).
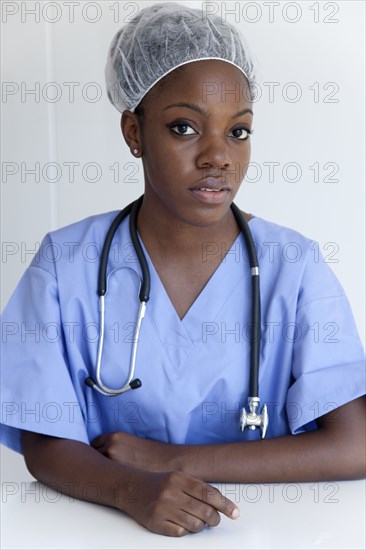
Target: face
point(195, 156)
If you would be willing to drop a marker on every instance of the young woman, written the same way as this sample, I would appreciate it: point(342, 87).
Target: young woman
point(153, 450)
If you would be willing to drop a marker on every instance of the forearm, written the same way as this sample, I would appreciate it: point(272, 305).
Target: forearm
point(335, 451)
point(75, 469)
point(262, 461)
point(305, 457)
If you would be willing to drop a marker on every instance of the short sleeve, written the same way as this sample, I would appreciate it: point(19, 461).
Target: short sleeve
point(37, 389)
point(328, 366)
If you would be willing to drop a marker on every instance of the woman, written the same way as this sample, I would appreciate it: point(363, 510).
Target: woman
point(152, 451)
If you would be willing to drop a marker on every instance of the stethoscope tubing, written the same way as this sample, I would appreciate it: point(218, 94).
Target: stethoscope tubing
point(256, 303)
point(144, 295)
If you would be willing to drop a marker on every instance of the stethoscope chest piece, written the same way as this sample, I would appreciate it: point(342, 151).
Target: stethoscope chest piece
point(252, 419)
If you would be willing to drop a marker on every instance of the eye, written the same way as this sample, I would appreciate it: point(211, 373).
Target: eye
point(182, 125)
point(242, 131)
point(245, 133)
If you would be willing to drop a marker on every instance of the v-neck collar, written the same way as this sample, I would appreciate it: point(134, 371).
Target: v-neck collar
point(187, 331)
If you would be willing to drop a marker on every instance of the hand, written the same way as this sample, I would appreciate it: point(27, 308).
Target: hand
point(174, 503)
point(138, 452)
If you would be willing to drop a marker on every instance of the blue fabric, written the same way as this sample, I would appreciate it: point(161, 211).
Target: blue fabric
point(195, 371)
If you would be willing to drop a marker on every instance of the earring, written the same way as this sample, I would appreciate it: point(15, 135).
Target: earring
point(135, 151)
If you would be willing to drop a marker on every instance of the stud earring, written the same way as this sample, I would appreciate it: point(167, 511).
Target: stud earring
point(135, 151)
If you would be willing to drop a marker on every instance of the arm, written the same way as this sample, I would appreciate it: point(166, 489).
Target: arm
point(333, 452)
point(168, 503)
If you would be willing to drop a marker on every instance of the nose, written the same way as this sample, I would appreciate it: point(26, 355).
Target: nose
point(213, 153)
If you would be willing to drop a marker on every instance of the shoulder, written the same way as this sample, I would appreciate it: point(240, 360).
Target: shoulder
point(265, 231)
point(83, 238)
point(95, 225)
point(294, 261)
point(290, 259)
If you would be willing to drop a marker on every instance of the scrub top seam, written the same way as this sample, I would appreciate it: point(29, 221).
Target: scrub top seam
point(43, 269)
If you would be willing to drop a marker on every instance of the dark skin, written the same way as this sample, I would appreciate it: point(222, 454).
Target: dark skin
point(168, 491)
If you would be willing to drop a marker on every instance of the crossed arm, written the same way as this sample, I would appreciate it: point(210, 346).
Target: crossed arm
point(333, 452)
point(163, 486)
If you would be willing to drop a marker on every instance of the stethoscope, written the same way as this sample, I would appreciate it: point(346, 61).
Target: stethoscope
point(251, 419)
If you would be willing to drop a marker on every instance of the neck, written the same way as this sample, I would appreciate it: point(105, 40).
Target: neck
point(162, 233)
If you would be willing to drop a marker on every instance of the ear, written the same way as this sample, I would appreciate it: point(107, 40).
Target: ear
point(130, 129)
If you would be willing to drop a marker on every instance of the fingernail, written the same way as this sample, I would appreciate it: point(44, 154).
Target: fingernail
point(235, 514)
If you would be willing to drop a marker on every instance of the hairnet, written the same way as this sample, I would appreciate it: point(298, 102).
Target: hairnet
point(161, 38)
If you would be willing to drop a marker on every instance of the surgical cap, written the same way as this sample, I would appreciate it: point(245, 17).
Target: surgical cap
point(161, 38)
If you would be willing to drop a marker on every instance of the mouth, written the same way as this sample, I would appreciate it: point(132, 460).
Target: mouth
point(211, 191)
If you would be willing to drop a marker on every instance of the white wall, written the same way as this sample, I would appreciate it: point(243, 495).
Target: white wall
point(316, 45)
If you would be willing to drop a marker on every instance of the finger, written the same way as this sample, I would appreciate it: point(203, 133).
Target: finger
point(205, 512)
point(166, 527)
point(172, 529)
point(212, 496)
point(220, 502)
point(190, 522)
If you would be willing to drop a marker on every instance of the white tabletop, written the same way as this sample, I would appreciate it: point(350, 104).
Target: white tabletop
point(283, 516)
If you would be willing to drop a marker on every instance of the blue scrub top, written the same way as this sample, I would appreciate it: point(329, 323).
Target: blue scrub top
point(195, 371)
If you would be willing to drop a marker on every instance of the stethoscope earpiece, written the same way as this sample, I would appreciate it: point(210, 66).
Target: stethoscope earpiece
point(90, 382)
point(133, 385)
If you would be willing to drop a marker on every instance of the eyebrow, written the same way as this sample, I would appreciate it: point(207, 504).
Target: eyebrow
point(202, 111)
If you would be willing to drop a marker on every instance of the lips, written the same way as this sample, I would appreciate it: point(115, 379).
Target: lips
point(211, 190)
point(211, 185)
